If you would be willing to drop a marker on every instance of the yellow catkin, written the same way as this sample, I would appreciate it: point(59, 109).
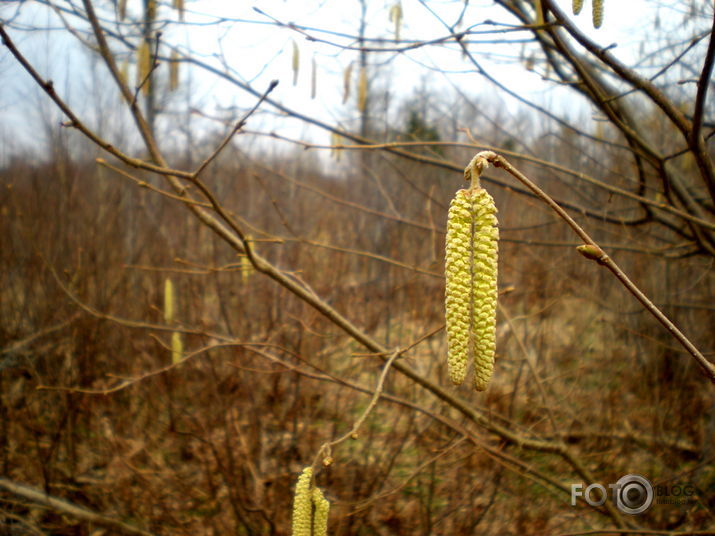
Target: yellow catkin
point(484, 271)
point(150, 10)
point(246, 268)
point(168, 301)
point(396, 18)
point(576, 6)
point(362, 90)
point(597, 13)
point(539, 12)
point(124, 71)
point(336, 139)
point(458, 285)
point(302, 504)
point(174, 71)
point(143, 66)
point(322, 508)
point(295, 63)
point(471, 285)
point(177, 347)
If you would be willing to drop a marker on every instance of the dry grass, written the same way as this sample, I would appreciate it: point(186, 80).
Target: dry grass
point(214, 445)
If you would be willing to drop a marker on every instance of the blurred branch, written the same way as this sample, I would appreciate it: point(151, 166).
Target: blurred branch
point(25, 523)
point(532, 369)
point(701, 96)
point(644, 440)
point(17, 345)
point(116, 319)
point(370, 255)
point(144, 184)
point(413, 45)
point(67, 508)
point(325, 450)
point(125, 382)
point(239, 125)
point(549, 165)
point(619, 68)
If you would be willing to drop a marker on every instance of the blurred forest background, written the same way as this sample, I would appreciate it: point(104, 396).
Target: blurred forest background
point(175, 349)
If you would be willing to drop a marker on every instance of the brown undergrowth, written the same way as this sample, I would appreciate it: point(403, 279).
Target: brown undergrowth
point(214, 444)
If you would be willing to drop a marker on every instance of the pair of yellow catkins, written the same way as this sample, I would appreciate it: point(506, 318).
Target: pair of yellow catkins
point(471, 256)
point(471, 279)
point(310, 507)
point(596, 11)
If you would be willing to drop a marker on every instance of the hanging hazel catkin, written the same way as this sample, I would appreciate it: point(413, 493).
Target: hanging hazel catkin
point(322, 508)
point(539, 12)
point(150, 10)
point(471, 280)
point(177, 347)
point(396, 18)
point(302, 504)
point(168, 301)
point(174, 71)
point(597, 13)
point(362, 90)
point(485, 287)
point(124, 71)
point(458, 284)
point(335, 140)
point(144, 66)
point(310, 507)
point(576, 6)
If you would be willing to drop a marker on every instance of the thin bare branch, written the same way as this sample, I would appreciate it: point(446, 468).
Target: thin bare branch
point(597, 254)
point(67, 508)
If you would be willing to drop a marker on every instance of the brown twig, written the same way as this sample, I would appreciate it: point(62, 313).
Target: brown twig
point(325, 450)
point(594, 252)
point(67, 508)
point(17, 345)
point(238, 126)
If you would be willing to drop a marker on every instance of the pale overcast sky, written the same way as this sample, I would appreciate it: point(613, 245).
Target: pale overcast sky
point(261, 52)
